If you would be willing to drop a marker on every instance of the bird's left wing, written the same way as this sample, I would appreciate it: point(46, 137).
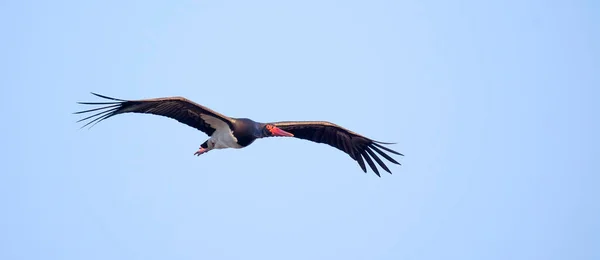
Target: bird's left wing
point(181, 109)
point(353, 144)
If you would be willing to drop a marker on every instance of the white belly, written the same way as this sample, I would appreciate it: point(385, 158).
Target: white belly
point(223, 138)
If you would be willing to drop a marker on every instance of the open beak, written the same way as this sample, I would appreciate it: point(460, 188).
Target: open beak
point(278, 132)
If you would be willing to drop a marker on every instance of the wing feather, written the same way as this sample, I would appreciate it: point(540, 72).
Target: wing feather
point(370, 162)
point(361, 163)
point(372, 154)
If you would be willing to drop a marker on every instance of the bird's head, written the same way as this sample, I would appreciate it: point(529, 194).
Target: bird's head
point(271, 130)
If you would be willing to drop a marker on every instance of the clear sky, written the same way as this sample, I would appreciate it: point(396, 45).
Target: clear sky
point(494, 104)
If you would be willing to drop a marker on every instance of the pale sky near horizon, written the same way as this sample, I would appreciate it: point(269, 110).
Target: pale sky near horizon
point(493, 103)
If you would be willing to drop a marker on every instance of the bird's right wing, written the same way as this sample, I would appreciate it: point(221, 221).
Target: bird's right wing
point(178, 108)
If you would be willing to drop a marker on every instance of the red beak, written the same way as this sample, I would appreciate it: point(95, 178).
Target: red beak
point(278, 132)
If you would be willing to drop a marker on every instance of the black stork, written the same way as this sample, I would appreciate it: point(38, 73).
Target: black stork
point(229, 132)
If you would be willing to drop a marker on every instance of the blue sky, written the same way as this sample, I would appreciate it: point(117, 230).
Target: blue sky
point(494, 104)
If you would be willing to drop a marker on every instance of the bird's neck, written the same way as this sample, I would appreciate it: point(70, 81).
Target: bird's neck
point(246, 131)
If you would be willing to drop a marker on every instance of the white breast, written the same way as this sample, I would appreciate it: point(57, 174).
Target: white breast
point(223, 136)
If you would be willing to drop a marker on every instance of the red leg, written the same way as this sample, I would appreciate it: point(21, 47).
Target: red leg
point(201, 151)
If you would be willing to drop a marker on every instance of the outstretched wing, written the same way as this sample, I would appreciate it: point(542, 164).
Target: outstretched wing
point(178, 108)
point(353, 144)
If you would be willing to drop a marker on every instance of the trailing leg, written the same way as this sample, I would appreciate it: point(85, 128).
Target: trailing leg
point(203, 148)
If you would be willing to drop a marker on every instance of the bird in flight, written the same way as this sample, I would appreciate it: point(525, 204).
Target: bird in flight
point(229, 132)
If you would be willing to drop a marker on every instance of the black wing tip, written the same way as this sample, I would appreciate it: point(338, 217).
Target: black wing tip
point(109, 109)
point(370, 162)
point(115, 100)
point(382, 142)
point(378, 160)
point(387, 149)
point(368, 155)
point(106, 97)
